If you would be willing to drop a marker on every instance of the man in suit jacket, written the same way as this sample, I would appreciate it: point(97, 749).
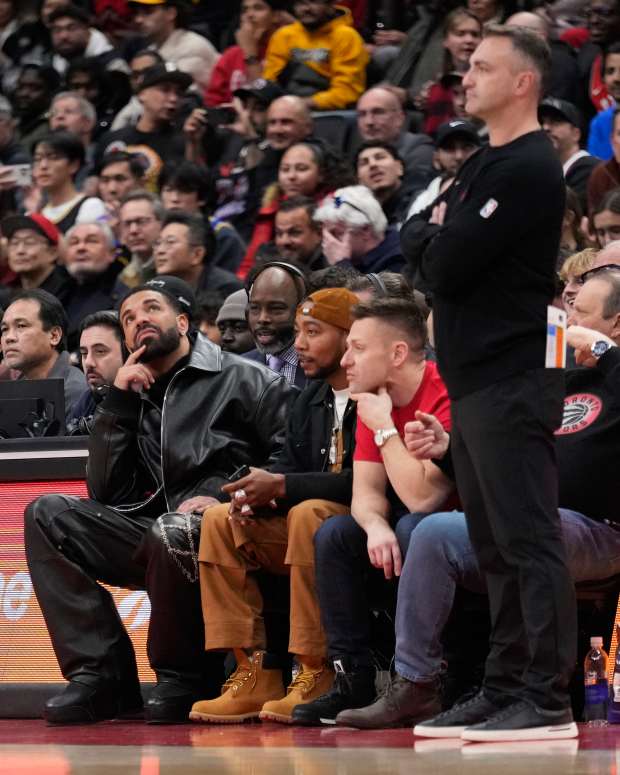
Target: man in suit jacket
point(274, 291)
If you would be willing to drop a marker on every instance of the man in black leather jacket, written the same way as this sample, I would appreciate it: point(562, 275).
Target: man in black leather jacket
point(181, 417)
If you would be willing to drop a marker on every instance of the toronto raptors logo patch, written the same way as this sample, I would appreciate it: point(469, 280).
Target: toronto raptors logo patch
point(580, 411)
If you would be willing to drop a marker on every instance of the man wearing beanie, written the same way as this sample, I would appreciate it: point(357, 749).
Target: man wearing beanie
point(179, 420)
point(232, 322)
point(270, 523)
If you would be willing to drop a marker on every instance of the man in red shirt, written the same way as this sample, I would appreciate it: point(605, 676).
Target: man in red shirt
point(391, 380)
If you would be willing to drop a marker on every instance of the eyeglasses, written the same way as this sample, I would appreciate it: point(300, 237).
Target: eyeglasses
point(169, 242)
point(27, 242)
point(583, 278)
point(141, 221)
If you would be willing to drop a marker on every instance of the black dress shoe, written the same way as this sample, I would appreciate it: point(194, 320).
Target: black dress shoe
point(81, 703)
point(169, 703)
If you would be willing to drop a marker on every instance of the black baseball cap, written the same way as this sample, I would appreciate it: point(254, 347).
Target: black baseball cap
point(451, 79)
point(164, 73)
point(562, 110)
point(264, 91)
point(458, 127)
point(170, 286)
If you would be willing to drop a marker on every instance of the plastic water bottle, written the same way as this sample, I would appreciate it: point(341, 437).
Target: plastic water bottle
point(613, 713)
point(596, 684)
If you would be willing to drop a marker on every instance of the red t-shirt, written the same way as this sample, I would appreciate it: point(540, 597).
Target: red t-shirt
point(431, 397)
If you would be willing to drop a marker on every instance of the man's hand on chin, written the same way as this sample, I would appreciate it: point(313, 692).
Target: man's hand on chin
point(374, 409)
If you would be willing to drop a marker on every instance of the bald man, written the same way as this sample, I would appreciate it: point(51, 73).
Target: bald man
point(610, 254)
point(380, 117)
point(243, 175)
point(288, 122)
point(564, 71)
point(273, 297)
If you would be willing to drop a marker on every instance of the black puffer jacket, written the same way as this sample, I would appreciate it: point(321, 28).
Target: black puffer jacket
point(219, 412)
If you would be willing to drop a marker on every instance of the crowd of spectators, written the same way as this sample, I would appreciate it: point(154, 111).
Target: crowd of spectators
point(200, 209)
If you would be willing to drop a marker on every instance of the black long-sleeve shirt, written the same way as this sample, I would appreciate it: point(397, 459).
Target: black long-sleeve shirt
point(490, 267)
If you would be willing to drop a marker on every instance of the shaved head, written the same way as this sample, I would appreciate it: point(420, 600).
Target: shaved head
point(288, 121)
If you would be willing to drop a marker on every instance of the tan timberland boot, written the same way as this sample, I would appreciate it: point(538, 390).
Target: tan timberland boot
point(243, 694)
point(310, 682)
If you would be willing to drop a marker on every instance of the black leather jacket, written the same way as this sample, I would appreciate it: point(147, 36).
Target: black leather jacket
point(219, 412)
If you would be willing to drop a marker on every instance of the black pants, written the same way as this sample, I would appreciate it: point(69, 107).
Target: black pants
point(504, 459)
point(349, 587)
point(72, 544)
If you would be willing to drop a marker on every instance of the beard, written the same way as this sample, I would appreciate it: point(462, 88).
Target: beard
point(283, 337)
point(158, 347)
point(84, 275)
point(323, 372)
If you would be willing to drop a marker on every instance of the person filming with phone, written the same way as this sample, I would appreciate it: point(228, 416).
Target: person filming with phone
point(180, 418)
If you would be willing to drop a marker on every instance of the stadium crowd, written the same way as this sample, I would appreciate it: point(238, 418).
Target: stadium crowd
point(207, 217)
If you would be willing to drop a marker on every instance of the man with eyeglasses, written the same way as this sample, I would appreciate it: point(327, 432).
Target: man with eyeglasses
point(72, 38)
point(73, 113)
point(33, 255)
point(185, 249)
point(140, 217)
point(380, 117)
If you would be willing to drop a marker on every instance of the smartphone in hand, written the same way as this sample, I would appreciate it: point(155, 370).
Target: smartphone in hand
point(20, 174)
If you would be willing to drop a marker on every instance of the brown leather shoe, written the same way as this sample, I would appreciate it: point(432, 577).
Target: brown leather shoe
point(403, 703)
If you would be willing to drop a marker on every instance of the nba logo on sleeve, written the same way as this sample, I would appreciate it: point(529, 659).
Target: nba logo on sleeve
point(489, 208)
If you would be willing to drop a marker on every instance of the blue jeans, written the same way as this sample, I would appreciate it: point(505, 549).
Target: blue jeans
point(346, 581)
point(441, 557)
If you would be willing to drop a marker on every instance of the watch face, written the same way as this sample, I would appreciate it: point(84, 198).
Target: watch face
point(599, 348)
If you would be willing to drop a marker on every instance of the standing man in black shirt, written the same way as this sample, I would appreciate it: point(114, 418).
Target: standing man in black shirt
point(488, 256)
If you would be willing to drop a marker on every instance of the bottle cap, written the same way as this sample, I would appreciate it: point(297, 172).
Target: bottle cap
point(596, 642)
